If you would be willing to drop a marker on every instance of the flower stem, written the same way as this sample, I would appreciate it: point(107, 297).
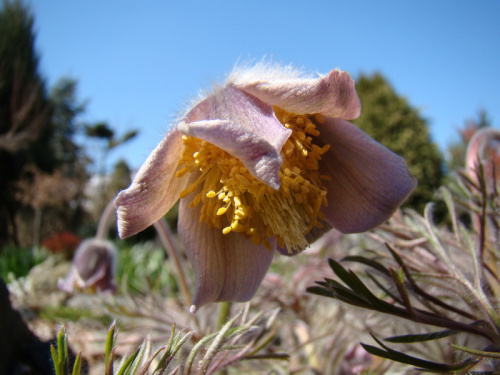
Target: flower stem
point(105, 221)
point(173, 253)
point(225, 309)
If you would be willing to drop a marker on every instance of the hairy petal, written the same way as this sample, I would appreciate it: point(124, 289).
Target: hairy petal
point(244, 127)
point(333, 95)
point(154, 190)
point(227, 267)
point(314, 234)
point(261, 158)
point(369, 182)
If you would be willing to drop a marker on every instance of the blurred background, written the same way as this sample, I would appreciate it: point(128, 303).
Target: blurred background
point(89, 88)
point(112, 77)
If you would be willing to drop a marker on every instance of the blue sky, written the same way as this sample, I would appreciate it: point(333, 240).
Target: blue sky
point(139, 62)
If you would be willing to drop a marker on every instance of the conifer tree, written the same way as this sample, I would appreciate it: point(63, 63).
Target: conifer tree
point(392, 121)
point(25, 111)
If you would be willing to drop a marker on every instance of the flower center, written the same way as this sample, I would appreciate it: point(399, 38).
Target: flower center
point(235, 201)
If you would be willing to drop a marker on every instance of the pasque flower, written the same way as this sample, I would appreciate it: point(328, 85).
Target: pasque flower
point(265, 162)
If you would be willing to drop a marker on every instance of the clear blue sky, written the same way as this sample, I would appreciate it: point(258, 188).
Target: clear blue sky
point(139, 62)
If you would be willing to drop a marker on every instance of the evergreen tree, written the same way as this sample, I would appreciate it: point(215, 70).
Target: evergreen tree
point(66, 109)
point(392, 121)
point(25, 111)
point(37, 148)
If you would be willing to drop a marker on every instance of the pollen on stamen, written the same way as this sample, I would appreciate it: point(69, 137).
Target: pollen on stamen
point(233, 200)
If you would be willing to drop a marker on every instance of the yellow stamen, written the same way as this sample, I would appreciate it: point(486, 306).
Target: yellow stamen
point(235, 201)
point(221, 211)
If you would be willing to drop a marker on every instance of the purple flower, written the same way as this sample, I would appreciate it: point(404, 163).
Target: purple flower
point(93, 266)
point(267, 161)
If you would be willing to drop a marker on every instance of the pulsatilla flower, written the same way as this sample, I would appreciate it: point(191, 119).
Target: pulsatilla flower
point(266, 162)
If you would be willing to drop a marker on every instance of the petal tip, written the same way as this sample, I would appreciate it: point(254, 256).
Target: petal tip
point(344, 96)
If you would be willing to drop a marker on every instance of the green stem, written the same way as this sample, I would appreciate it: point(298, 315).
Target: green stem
point(225, 309)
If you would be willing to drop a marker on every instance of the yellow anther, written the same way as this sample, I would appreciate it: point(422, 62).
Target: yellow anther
point(253, 208)
point(299, 179)
point(319, 118)
point(290, 181)
point(242, 180)
point(237, 227)
point(260, 193)
point(211, 194)
point(221, 211)
point(186, 192)
point(196, 200)
point(311, 129)
point(241, 212)
point(237, 201)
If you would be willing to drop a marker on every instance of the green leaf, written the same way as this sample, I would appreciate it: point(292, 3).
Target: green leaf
point(109, 349)
point(396, 356)
point(421, 337)
point(195, 350)
point(480, 353)
point(141, 354)
point(218, 341)
point(384, 289)
point(369, 262)
point(77, 366)
point(320, 291)
point(148, 361)
point(126, 364)
point(53, 353)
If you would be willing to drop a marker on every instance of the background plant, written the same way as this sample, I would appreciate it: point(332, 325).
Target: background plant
point(444, 280)
point(391, 120)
